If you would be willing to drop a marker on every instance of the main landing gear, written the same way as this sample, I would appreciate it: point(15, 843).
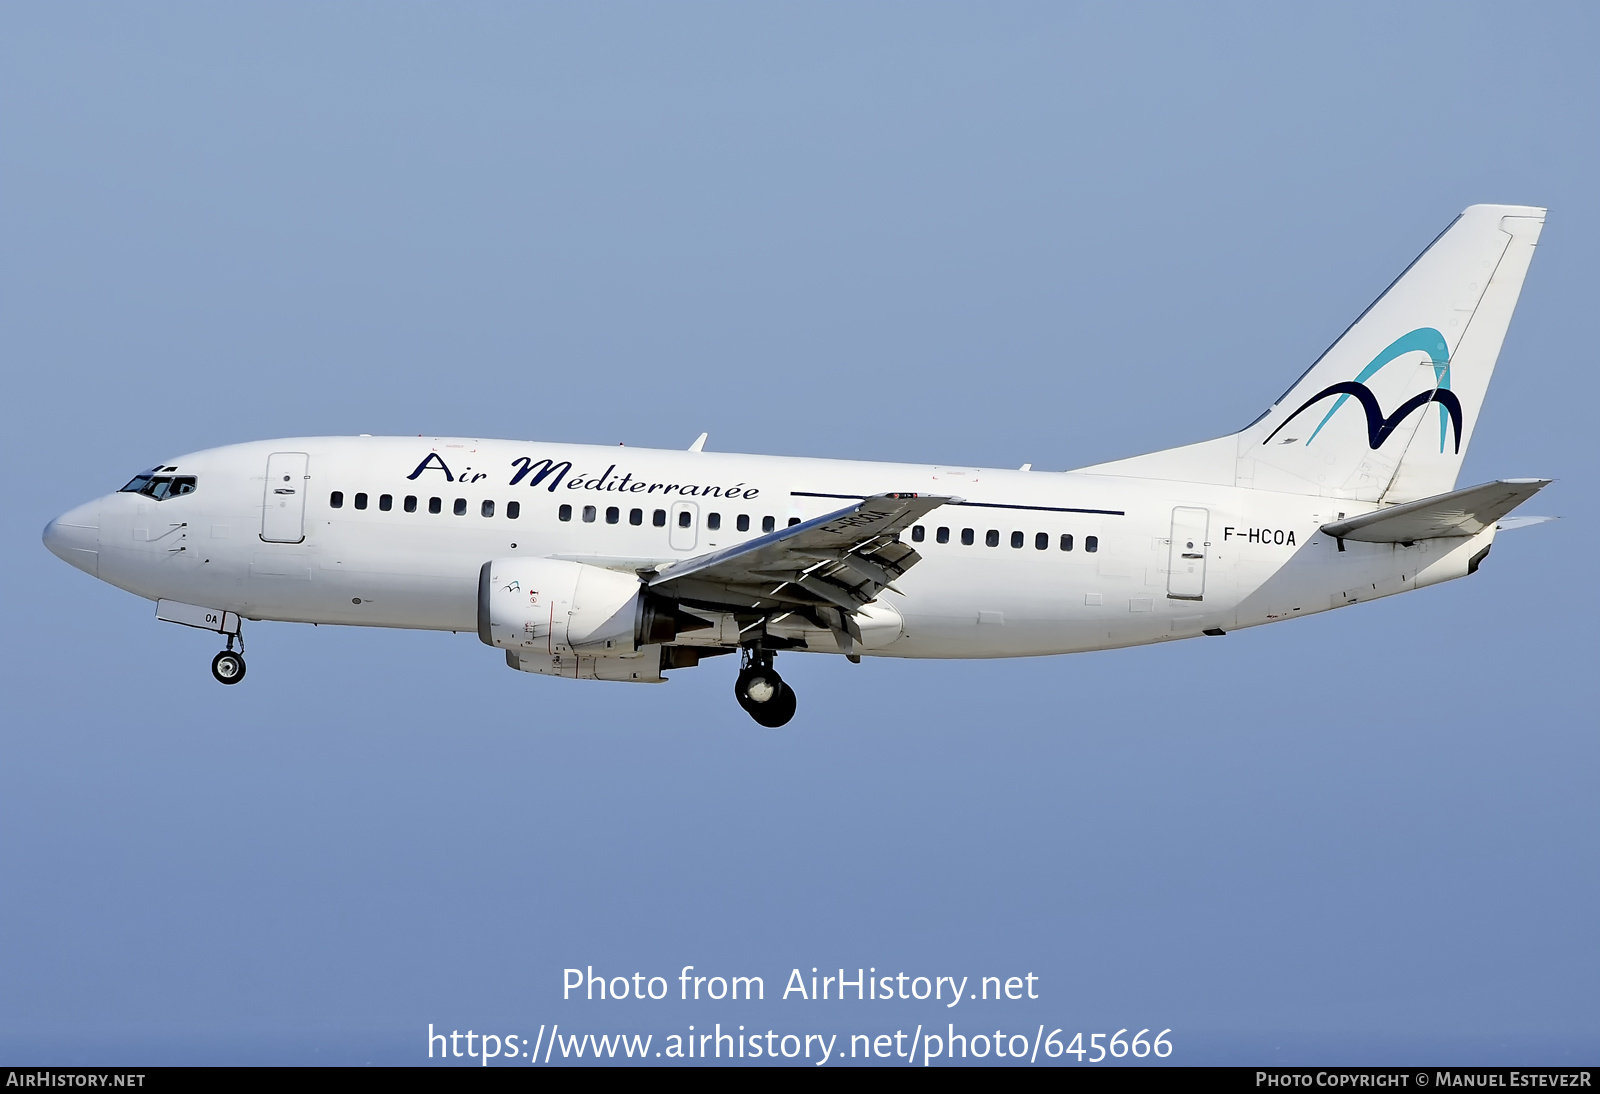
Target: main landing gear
point(227, 666)
point(762, 692)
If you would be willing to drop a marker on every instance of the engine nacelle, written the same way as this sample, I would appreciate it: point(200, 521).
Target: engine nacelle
point(643, 667)
point(550, 606)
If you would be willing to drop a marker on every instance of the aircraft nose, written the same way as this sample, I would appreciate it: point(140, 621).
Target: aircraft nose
point(74, 537)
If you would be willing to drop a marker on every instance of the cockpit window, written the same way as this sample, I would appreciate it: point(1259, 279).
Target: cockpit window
point(160, 487)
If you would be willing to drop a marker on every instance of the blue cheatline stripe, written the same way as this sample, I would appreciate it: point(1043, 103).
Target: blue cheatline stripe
point(1423, 339)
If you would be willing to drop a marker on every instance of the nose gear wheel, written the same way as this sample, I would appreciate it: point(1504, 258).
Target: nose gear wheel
point(227, 667)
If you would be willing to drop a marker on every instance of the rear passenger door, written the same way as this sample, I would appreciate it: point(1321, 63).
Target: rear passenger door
point(1186, 554)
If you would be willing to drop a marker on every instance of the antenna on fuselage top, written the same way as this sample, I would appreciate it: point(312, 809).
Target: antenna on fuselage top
point(699, 443)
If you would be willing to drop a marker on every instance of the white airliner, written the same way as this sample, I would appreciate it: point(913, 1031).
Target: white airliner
point(601, 563)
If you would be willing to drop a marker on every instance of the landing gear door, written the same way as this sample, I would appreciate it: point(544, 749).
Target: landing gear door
point(1186, 556)
point(283, 512)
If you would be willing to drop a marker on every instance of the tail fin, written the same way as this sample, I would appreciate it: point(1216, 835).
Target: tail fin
point(1386, 413)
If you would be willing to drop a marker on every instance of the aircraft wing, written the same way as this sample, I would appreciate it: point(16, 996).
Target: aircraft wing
point(1459, 513)
point(822, 570)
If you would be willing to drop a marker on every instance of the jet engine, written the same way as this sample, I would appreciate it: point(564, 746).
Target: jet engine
point(550, 606)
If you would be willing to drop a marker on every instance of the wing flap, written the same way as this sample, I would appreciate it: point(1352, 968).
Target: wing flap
point(1459, 513)
point(842, 561)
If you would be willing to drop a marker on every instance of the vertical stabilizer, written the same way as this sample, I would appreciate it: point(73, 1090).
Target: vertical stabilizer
point(1386, 413)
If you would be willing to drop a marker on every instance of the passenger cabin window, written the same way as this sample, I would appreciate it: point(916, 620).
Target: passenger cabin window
point(1066, 541)
point(513, 510)
point(793, 521)
point(918, 533)
point(361, 501)
point(966, 536)
point(564, 513)
point(411, 503)
point(487, 508)
point(159, 487)
point(714, 521)
point(336, 500)
point(588, 514)
point(435, 505)
point(768, 524)
point(685, 519)
point(1041, 542)
point(613, 514)
point(659, 518)
point(743, 523)
point(1016, 539)
point(636, 517)
point(460, 507)
point(942, 535)
point(991, 538)
point(385, 502)
point(1091, 544)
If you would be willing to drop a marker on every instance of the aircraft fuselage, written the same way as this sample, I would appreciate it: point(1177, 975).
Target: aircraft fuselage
point(392, 532)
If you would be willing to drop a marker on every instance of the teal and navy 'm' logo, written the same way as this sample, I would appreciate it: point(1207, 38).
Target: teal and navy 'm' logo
point(1379, 428)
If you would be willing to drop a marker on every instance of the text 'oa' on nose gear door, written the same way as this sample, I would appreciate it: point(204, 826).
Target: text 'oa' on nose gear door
point(283, 513)
point(1186, 557)
point(682, 530)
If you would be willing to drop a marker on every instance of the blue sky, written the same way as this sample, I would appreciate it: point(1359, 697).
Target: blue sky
point(980, 234)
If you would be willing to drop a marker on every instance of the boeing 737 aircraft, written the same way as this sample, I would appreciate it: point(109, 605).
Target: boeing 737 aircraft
point(601, 563)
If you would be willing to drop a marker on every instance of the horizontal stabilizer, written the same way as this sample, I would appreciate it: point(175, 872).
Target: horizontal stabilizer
point(1459, 513)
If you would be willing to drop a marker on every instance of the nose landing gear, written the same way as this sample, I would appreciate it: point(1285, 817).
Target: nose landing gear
point(228, 667)
point(762, 692)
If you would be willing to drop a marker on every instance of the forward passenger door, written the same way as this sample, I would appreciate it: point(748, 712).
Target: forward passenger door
point(283, 510)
